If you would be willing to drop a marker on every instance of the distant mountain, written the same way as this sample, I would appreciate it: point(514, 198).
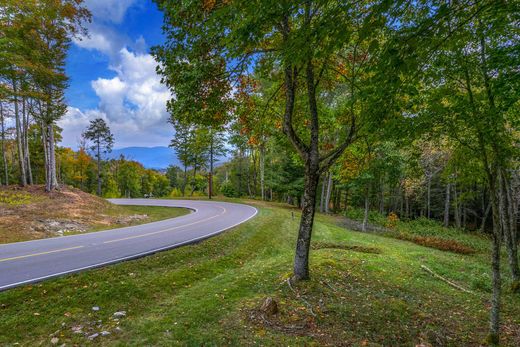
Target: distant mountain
point(150, 157)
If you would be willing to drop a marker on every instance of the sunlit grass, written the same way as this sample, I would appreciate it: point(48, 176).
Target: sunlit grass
point(365, 289)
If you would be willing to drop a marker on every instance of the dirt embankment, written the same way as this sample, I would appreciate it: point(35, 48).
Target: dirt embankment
point(31, 213)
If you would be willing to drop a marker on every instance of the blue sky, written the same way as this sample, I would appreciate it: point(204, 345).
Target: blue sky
point(112, 75)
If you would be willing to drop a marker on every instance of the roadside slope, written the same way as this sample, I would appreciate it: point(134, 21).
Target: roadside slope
point(31, 213)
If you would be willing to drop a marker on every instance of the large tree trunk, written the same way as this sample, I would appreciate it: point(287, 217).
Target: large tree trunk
point(301, 259)
point(447, 206)
point(311, 158)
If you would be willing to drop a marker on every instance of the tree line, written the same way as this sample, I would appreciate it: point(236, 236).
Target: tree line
point(394, 106)
point(34, 39)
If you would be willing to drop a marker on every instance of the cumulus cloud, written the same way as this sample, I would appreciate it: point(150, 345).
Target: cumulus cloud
point(103, 39)
point(109, 10)
point(102, 36)
point(133, 103)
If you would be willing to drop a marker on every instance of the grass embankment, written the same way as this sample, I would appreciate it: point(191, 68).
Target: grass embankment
point(366, 290)
point(30, 213)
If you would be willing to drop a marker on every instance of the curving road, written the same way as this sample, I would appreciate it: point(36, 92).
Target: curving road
point(33, 261)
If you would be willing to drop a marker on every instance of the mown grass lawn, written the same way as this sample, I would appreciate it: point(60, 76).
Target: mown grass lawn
point(366, 290)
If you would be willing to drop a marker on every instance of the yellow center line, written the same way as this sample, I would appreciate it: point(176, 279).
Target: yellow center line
point(42, 253)
point(169, 229)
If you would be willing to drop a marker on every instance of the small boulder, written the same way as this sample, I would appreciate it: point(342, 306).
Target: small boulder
point(55, 340)
point(95, 308)
point(93, 336)
point(105, 333)
point(269, 307)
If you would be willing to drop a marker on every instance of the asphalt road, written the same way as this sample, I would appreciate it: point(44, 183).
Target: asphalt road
point(34, 261)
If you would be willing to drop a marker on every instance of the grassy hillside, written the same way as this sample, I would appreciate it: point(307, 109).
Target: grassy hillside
point(366, 290)
point(30, 213)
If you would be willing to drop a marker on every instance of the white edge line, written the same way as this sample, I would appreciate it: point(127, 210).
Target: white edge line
point(131, 257)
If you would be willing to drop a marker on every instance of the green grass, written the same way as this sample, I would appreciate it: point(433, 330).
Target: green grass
point(366, 290)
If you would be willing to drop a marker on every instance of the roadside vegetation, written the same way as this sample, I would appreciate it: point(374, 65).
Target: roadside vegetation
point(30, 213)
point(366, 289)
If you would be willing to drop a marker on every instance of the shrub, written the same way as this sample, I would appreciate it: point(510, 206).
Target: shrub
point(391, 220)
point(14, 198)
point(175, 193)
point(437, 243)
point(228, 190)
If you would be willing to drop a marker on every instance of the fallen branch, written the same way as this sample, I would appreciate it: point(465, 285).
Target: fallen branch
point(454, 285)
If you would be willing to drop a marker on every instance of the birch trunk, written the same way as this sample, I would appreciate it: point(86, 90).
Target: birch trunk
point(21, 162)
point(53, 181)
point(327, 196)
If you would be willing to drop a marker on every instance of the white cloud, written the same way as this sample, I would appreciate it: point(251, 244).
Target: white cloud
point(133, 103)
point(103, 39)
point(109, 10)
point(102, 34)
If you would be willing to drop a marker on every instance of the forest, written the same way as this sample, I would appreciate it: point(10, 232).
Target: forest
point(408, 109)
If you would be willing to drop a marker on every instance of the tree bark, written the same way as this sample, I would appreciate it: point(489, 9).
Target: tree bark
point(447, 206)
point(262, 170)
point(21, 162)
point(457, 214)
point(367, 207)
point(45, 142)
point(25, 132)
point(301, 258)
point(382, 198)
point(98, 144)
point(327, 196)
point(210, 183)
point(53, 181)
point(311, 158)
point(323, 189)
point(508, 226)
point(428, 197)
point(4, 156)
point(484, 218)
